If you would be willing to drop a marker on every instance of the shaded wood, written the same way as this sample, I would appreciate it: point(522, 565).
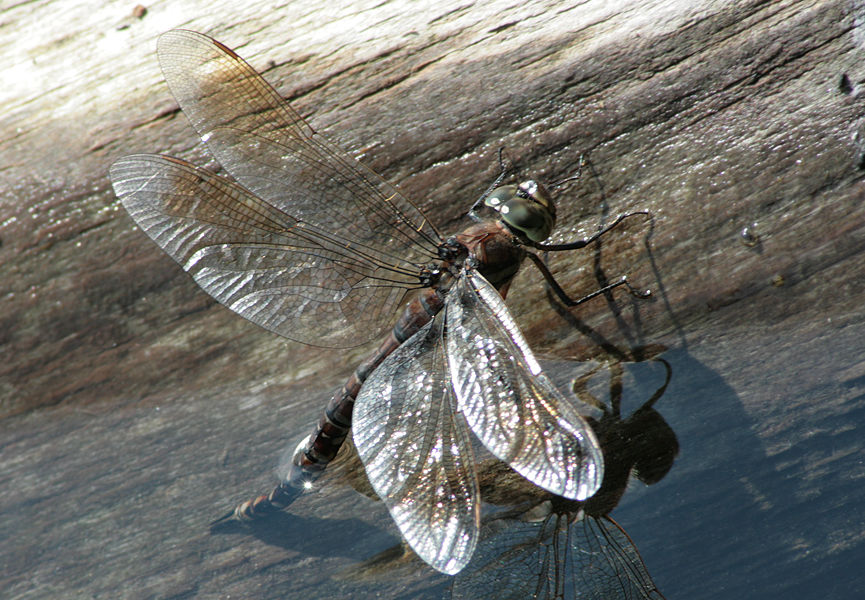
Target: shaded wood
point(713, 117)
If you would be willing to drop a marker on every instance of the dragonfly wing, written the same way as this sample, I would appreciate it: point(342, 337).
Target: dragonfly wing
point(417, 452)
point(268, 147)
point(563, 556)
point(604, 562)
point(513, 562)
point(509, 403)
point(372, 228)
point(260, 262)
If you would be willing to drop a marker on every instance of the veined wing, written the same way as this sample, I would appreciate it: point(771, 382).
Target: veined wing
point(510, 405)
point(417, 452)
point(285, 275)
point(563, 556)
point(268, 147)
point(605, 563)
point(512, 562)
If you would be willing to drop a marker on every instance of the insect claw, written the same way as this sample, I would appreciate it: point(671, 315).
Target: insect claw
point(642, 294)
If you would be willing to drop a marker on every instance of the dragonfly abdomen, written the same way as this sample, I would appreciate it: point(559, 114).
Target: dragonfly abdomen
point(335, 423)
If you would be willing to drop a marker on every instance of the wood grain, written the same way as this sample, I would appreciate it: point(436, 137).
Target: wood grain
point(713, 116)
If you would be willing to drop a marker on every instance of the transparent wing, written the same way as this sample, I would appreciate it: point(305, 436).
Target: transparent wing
point(559, 557)
point(417, 452)
point(512, 562)
point(605, 562)
point(285, 275)
point(510, 405)
point(268, 147)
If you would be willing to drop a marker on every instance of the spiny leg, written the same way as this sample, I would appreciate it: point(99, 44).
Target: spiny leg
point(570, 302)
point(593, 238)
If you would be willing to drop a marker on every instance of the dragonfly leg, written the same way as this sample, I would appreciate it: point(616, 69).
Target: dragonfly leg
point(568, 301)
point(593, 238)
point(504, 169)
point(576, 176)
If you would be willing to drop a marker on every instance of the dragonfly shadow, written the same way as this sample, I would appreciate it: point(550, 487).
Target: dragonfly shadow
point(292, 532)
point(727, 482)
point(538, 545)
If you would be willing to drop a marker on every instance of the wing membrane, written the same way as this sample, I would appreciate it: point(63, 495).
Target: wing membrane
point(256, 162)
point(234, 109)
point(510, 405)
point(562, 556)
point(260, 262)
point(417, 452)
point(605, 562)
point(514, 562)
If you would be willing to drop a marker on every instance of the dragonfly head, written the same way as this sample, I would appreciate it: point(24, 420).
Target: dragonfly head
point(527, 208)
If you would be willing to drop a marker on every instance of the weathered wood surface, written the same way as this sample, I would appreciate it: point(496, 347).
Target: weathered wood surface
point(135, 409)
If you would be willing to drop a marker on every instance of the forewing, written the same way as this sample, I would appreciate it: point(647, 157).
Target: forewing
point(417, 452)
point(266, 145)
point(510, 405)
point(260, 262)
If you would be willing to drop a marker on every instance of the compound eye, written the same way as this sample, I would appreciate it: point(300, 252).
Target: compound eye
point(529, 217)
point(500, 196)
point(526, 208)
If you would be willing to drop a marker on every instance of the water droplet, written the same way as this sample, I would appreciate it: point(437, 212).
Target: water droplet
point(749, 235)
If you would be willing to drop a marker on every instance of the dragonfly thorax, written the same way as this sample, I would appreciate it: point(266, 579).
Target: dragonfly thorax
point(493, 249)
point(527, 208)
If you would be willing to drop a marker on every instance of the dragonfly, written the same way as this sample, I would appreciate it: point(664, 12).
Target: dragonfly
point(307, 242)
point(549, 547)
